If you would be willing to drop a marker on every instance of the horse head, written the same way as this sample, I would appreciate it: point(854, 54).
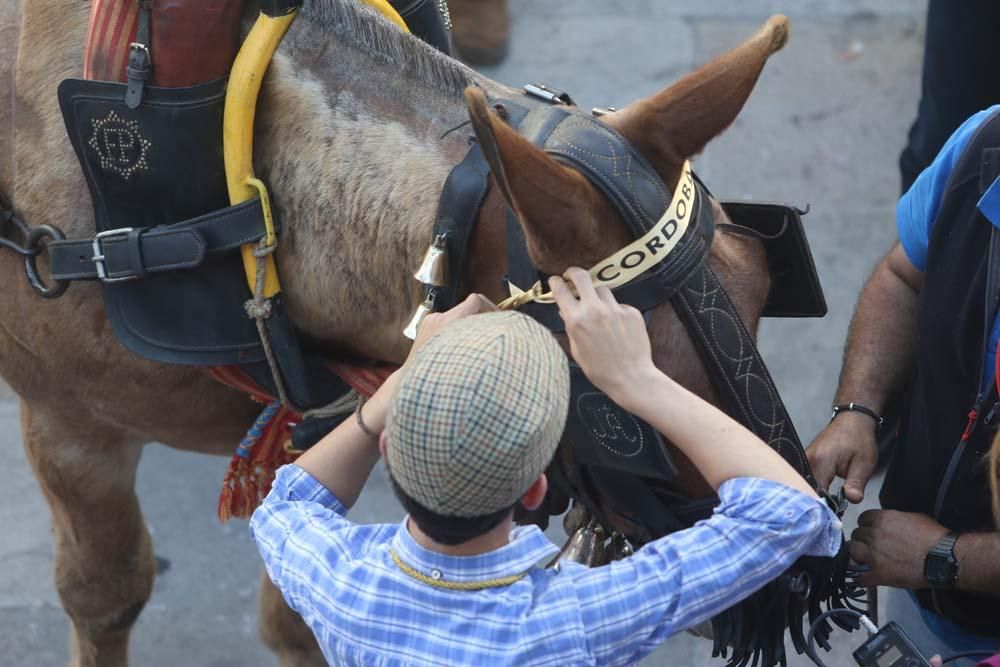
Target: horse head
point(358, 129)
point(568, 221)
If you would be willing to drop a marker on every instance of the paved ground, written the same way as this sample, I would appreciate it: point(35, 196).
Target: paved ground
point(823, 128)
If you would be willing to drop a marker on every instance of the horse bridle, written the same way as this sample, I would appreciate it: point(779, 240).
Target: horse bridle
point(614, 451)
point(683, 277)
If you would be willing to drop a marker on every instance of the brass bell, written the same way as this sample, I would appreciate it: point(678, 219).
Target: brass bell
point(423, 310)
point(434, 269)
point(586, 546)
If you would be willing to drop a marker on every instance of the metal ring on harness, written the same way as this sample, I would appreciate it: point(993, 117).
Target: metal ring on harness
point(33, 241)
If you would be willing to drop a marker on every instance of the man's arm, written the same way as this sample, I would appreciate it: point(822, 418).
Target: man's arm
point(893, 545)
point(343, 460)
point(880, 349)
point(759, 529)
point(611, 344)
point(978, 557)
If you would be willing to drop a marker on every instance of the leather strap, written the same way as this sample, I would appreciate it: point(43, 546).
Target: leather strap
point(458, 211)
point(131, 253)
point(744, 383)
point(139, 68)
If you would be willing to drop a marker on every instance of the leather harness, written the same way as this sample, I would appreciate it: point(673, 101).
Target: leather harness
point(615, 454)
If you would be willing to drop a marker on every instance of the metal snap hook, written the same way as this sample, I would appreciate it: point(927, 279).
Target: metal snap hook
point(35, 237)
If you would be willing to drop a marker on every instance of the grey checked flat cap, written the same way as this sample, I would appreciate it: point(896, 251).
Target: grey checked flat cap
point(478, 414)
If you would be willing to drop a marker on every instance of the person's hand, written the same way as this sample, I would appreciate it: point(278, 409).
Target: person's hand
point(936, 661)
point(608, 340)
point(434, 322)
point(845, 448)
point(893, 545)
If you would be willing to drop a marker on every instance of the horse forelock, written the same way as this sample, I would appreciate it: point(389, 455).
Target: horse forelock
point(358, 26)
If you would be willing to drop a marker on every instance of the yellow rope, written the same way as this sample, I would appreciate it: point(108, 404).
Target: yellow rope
point(454, 585)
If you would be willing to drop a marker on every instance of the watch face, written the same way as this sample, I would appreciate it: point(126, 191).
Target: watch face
point(939, 570)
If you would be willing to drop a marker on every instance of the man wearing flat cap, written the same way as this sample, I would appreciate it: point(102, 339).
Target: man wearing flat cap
point(467, 428)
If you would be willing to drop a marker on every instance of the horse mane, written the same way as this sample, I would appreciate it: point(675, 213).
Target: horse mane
point(362, 28)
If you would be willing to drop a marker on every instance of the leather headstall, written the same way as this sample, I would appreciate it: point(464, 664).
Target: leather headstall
point(614, 453)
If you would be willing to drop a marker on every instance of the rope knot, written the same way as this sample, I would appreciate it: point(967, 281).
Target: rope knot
point(258, 309)
point(263, 250)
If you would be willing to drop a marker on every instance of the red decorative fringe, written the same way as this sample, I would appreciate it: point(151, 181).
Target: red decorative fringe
point(248, 478)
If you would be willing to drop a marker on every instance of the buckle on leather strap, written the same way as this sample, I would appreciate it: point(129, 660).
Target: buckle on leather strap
point(137, 51)
point(548, 94)
point(138, 71)
point(98, 258)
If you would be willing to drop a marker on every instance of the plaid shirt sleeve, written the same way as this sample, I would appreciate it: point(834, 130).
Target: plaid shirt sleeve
point(302, 535)
point(758, 530)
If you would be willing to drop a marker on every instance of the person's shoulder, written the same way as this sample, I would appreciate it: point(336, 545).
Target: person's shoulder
point(918, 208)
point(953, 149)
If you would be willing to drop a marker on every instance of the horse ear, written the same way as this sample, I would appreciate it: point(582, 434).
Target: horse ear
point(676, 123)
point(557, 207)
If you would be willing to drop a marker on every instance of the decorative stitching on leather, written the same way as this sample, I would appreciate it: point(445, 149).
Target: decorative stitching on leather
point(703, 299)
point(622, 179)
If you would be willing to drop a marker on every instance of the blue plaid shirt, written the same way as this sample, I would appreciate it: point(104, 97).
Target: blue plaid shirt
point(365, 610)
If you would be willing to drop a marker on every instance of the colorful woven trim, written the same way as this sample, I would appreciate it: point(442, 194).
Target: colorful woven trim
point(267, 444)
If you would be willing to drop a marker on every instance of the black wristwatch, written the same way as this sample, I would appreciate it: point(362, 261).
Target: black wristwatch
point(940, 564)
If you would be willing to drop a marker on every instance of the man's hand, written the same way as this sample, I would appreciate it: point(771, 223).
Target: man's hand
point(607, 339)
point(893, 544)
point(845, 448)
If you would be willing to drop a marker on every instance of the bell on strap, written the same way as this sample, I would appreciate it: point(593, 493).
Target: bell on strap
point(586, 546)
point(423, 310)
point(434, 269)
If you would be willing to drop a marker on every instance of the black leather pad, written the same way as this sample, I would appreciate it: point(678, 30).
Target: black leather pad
point(160, 164)
point(606, 436)
point(795, 287)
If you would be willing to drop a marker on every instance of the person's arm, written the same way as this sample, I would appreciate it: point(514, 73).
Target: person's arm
point(978, 557)
point(758, 531)
point(893, 546)
point(768, 515)
point(343, 460)
point(880, 349)
point(610, 343)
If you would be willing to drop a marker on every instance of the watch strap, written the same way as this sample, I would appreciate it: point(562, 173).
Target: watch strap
point(946, 546)
point(942, 553)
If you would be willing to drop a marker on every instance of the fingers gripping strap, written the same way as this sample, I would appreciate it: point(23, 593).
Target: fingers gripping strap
point(637, 257)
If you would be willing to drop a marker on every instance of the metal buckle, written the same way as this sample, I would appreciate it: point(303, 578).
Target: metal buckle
point(136, 46)
point(98, 258)
point(548, 94)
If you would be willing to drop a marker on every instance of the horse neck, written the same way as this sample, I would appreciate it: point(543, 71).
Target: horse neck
point(354, 154)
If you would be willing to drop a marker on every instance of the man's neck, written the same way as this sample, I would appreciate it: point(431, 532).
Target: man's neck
point(496, 538)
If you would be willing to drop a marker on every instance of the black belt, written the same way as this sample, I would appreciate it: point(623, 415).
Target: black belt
point(117, 255)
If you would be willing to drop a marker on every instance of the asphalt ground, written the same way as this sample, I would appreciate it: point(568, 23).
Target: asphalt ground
point(823, 128)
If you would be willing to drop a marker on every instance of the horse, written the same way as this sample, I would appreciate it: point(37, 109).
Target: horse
point(355, 137)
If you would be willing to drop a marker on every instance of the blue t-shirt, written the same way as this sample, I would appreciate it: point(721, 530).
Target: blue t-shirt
point(918, 208)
